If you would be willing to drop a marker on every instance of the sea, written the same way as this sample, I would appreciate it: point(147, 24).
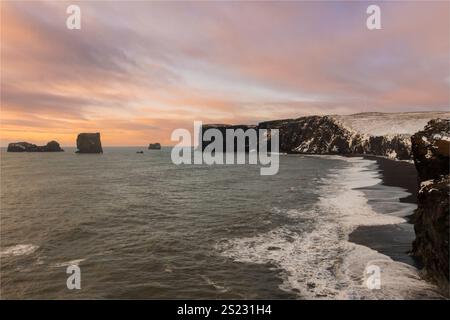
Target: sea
point(140, 227)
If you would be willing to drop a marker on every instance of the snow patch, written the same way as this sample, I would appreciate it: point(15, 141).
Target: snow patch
point(382, 124)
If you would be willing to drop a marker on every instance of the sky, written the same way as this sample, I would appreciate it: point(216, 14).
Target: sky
point(138, 70)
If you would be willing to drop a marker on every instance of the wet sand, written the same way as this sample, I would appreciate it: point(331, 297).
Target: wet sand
point(398, 174)
point(394, 241)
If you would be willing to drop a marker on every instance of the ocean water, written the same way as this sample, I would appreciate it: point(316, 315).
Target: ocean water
point(140, 227)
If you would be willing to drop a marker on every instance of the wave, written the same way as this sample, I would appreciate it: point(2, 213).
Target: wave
point(68, 263)
point(211, 283)
point(322, 263)
point(18, 250)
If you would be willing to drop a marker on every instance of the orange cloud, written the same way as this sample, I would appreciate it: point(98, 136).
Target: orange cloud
point(138, 70)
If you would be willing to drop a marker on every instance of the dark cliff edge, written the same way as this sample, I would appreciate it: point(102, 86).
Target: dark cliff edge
point(430, 149)
point(51, 146)
point(326, 135)
point(222, 128)
point(89, 143)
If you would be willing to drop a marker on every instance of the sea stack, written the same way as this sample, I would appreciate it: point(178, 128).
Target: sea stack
point(154, 146)
point(51, 146)
point(89, 143)
point(430, 149)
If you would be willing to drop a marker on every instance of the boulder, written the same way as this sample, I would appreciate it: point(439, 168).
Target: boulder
point(89, 143)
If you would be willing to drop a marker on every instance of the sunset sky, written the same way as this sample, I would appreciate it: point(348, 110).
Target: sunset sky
point(137, 70)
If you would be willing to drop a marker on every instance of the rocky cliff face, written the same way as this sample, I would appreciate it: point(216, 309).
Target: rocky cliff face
point(52, 146)
point(89, 143)
point(430, 149)
point(328, 135)
point(222, 128)
point(315, 134)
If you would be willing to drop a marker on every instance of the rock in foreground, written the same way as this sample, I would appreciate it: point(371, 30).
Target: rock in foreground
point(52, 146)
point(430, 149)
point(89, 143)
point(154, 146)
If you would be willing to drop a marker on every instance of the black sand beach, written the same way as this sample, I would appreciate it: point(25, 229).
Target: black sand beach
point(398, 174)
point(394, 241)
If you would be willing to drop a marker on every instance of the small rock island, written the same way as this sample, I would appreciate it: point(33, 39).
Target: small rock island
point(89, 143)
point(154, 146)
point(51, 146)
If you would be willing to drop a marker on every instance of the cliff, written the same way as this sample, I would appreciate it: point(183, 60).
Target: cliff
point(380, 134)
point(328, 135)
point(430, 148)
point(315, 134)
point(222, 128)
point(89, 143)
point(51, 146)
point(395, 136)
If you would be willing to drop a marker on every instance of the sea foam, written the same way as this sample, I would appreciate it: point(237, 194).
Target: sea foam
point(18, 250)
point(321, 262)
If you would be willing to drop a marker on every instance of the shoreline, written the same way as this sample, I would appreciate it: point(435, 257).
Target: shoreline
point(397, 173)
point(394, 241)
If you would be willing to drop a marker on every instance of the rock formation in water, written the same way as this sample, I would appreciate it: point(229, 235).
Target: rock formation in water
point(154, 146)
point(430, 149)
point(89, 143)
point(52, 146)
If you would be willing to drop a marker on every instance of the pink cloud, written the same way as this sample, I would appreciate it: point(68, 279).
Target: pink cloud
point(138, 70)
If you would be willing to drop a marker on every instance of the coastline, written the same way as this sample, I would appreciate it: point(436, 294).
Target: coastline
point(394, 241)
point(337, 267)
point(397, 173)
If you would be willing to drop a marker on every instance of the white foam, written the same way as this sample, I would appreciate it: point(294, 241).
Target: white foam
point(322, 263)
point(75, 262)
point(219, 288)
point(18, 250)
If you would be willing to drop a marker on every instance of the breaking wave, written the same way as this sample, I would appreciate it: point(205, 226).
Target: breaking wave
point(320, 262)
point(18, 250)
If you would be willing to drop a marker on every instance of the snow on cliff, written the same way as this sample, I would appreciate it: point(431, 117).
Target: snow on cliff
point(384, 124)
point(381, 134)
